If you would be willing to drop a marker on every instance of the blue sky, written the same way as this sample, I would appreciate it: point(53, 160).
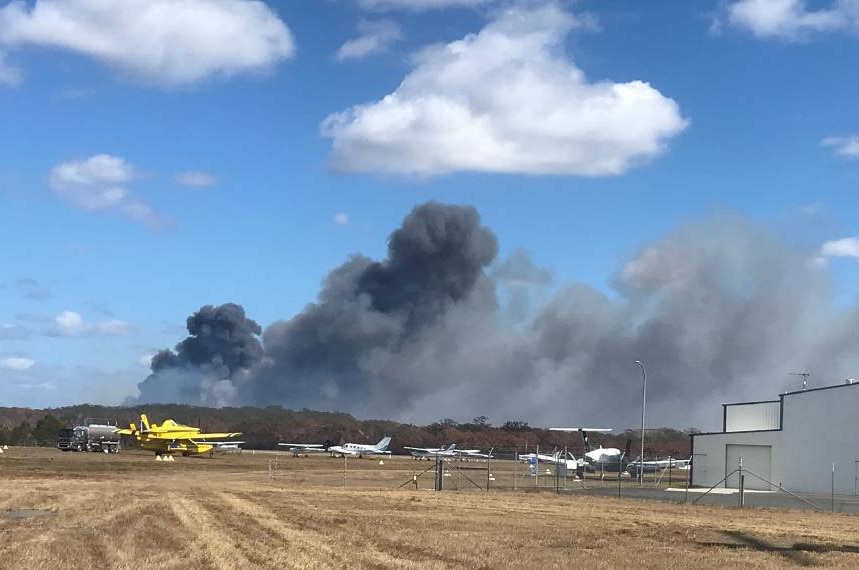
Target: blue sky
point(149, 168)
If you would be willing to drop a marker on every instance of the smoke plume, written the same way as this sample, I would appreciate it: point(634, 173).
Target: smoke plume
point(207, 367)
point(718, 310)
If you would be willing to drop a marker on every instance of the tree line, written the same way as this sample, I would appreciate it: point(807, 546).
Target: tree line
point(264, 428)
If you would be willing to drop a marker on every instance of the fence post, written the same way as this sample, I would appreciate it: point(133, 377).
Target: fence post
point(832, 489)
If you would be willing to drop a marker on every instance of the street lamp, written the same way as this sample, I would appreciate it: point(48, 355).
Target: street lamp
point(643, 405)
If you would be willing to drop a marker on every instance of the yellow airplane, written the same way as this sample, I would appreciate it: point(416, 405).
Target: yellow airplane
point(171, 437)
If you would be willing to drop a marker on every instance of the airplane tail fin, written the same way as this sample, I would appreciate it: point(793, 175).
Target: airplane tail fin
point(144, 422)
point(383, 444)
point(451, 447)
point(586, 441)
point(627, 448)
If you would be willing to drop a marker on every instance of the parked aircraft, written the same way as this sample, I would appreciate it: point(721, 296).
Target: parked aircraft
point(427, 452)
point(466, 454)
point(360, 450)
point(602, 458)
point(307, 448)
point(171, 437)
point(655, 465)
point(556, 458)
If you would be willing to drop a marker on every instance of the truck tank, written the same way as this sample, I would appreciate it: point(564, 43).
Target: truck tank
point(105, 433)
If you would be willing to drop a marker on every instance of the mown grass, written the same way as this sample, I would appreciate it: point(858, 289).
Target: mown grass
point(127, 511)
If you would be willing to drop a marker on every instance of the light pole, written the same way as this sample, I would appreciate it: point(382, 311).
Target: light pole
point(643, 405)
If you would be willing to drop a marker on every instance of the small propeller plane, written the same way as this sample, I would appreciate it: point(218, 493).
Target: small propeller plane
point(427, 452)
point(298, 449)
point(171, 437)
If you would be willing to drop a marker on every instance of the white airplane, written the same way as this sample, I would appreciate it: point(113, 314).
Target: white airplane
point(467, 454)
point(425, 452)
point(297, 449)
point(605, 458)
point(227, 447)
point(554, 459)
point(360, 449)
point(657, 465)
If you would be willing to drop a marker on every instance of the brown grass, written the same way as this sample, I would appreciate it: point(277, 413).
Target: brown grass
point(93, 511)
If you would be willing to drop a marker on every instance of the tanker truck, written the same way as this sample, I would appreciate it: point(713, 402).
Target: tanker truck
point(94, 435)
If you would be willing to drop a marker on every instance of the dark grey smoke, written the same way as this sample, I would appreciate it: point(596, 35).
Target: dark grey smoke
point(208, 366)
point(345, 351)
point(719, 310)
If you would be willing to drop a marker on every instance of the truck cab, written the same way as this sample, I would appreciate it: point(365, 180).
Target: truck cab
point(72, 439)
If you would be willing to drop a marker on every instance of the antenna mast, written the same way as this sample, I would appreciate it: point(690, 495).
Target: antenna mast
point(804, 375)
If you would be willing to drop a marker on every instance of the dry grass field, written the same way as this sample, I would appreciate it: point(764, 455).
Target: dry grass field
point(64, 511)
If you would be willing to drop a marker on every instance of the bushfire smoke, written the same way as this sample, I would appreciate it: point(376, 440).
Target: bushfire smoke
point(719, 310)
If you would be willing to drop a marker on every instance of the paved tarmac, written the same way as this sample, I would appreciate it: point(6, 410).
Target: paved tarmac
point(730, 498)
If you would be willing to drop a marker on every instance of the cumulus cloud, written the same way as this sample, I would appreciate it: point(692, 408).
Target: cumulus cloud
point(790, 19)
point(99, 183)
point(341, 219)
point(17, 363)
point(196, 179)
point(161, 42)
point(845, 247)
point(420, 5)
point(72, 324)
point(376, 37)
point(847, 147)
point(10, 76)
point(506, 100)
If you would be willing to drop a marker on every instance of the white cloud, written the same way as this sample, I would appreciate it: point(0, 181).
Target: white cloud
point(146, 359)
point(341, 219)
point(376, 37)
point(790, 19)
point(505, 100)
point(196, 179)
point(419, 5)
point(17, 363)
point(99, 183)
point(71, 324)
point(165, 42)
point(845, 247)
point(10, 76)
point(847, 147)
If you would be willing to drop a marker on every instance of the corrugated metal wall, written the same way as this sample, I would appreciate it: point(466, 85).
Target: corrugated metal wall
point(756, 416)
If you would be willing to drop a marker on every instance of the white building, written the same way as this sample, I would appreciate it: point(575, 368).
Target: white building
point(793, 442)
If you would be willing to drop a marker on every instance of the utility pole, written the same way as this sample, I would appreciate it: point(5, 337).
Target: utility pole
point(643, 405)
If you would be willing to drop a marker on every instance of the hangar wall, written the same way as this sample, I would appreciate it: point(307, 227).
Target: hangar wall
point(820, 428)
point(752, 416)
point(817, 428)
point(710, 457)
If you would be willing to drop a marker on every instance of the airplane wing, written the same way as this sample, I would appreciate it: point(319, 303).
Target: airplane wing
point(575, 429)
point(424, 449)
point(216, 435)
point(303, 445)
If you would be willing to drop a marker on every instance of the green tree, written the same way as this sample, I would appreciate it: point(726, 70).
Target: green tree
point(46, 431)
point(511, 425)
point(21, 434)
